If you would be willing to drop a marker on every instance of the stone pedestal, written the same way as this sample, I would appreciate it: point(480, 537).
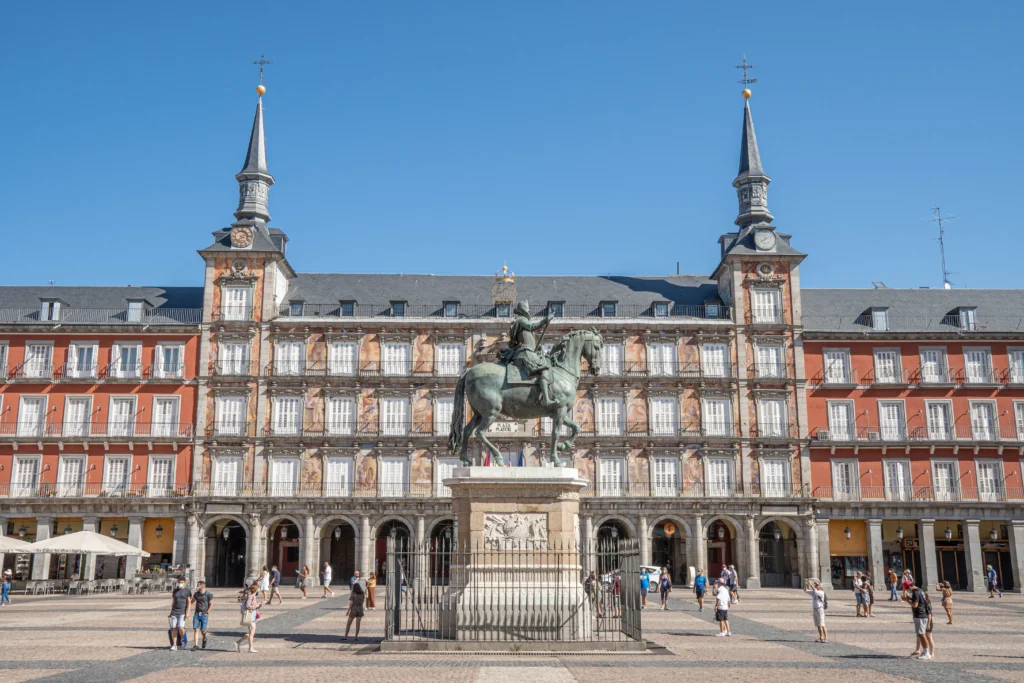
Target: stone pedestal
point(516, 573)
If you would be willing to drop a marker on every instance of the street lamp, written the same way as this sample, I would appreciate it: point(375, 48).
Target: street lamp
point(337, 533)
point(721, 533)
point(993, 534)
point(22, 531)
point(899, 533)
point(225, 533)
point(948, 533)
point(67, 529)
point(159, 531)
point(848, 533)
point(778, 534)
point(284, 532)
point(113, 531)
point(615, 534)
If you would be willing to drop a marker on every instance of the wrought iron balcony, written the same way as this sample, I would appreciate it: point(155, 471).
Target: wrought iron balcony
point(236, 314)
point(771, 372)
point(340, 429)
point(103, 316)
point(305, 489)
point(31, 372)
point(774, 432)
point(835, 378)
point(83, 431)
point(961, 434)
point(567, 311)
point(980, 376)
point(703, 372)
point(863, 324)
point(231, 368)
point(953, 494)
point(114, 489)
point(772, 316)
point(894, 378)
point(320, 368)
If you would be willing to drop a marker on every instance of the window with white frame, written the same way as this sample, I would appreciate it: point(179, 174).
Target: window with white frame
point(338, 478)
point(891, 420)
point(546, 424)
point(233, 358)
point(887, 366)
point(769, 361)
point(445, 470)
point(286, 415)
point(25, 476)
point(983, 421)
point(160, 480)
point(840, 421)
point(126, 360)
point(714, 359)
point(940, 421)
point(774, 477)
point(945, 480)
point(237, 303)
point(448, 358)
point(837, 366)
point(443, 408)
point(666, 476)
point(284, 476)
point(609, 416)
point(662, 359)
point(134, 312)
point(49, 311)
point(82, 360)
point(342, 358)
point(1016, 366)
point(771, 418)
point(38, 359)
point(611, 359)
point(968, 318)
point(71, 476)
point(170, 360)
point(897, 479)
point(394, 415)
point(880, 319)
point(933, 366)
point(77, 416)
point(394, 475)
point(227, 475)
point(978, 366)
point(719, 477)
point(716, 417)
point(32, 416)
point(116, 474)
point(341, 415)
point(990, 479)
point(121, 418)
point(845, 480)
point(396, 359)
point(612, 476)
point(229, 419)
point(165, 416)
point(1018, 413)
point(288, 358)
point(766, 305)
point(664, 416)
point(4, 347)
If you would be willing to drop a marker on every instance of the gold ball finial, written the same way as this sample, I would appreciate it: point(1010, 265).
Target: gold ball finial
point(260, 90)
point(746, 93)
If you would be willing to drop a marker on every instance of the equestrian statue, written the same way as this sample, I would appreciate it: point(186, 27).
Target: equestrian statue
point(524, 383)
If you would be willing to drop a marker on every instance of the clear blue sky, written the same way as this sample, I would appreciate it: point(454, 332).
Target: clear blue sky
point(444, 137)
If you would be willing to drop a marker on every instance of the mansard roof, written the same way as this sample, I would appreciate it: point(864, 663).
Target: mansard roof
point(102, 297)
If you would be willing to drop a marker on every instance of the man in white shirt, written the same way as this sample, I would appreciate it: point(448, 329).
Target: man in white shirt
point(325, 578)
point(858, 593)
point(722, 599)
point(818, 602)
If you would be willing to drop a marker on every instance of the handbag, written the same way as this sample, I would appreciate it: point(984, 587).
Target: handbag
point(247, 618)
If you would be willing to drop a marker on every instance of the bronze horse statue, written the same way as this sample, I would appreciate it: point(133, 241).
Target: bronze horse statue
point(490, 395)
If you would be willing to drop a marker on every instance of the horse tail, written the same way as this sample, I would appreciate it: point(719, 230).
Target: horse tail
point(458, 416)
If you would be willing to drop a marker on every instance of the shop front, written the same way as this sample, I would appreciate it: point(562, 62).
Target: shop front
point(848, 550)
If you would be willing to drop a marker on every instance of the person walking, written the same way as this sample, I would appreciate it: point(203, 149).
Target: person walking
point(700, 587)
point(275, 586)
point(993, 582)
point(354, 579)
point(734, 583)
point(929, 638)
point(371, 591)
point(858, 593)
point(915, 597)
point(947, 599)
point(303, 579)
point(590, 588)
point(251, 604)
point(179, 608)
point(664, 587)
point(355, 609)
point(325, 579)
point(818, 604)
point(868, 589)
point(617, 593)
point(5, 590)
point(645, 587)
point(265, 582)
point(893, 585)
point(722, 598)
point(202, 603)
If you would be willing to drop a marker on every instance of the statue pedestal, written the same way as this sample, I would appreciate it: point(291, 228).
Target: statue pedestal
point(515, 570)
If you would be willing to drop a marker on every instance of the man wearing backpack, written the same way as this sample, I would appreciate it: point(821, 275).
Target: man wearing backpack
point(819, 603)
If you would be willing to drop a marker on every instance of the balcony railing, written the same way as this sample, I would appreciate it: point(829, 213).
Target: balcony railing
point(909, 323)
point(774, 431)
point(230, 368)
point(113, 489)
point(895, 377)
point(414, 428)
point(979, 376)
point(232, 313)
point(169, 431)
point(836, 377)
point(919, 493)
point(691, 371)
point(569, 311)
point(771, 371)
point(926, 376)
point(365, 369)
point(906, 434)
point(31, 372)
point(765, 315)
point(103, 316)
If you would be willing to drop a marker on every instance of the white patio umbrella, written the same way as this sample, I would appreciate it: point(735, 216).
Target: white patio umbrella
point(10, 544)
point(82, 542)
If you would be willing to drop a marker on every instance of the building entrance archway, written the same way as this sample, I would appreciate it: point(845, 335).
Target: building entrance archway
point(402, 541)
point(338, 546)
point(668, 549)
point(283, 549)
point(442, 540)
point(777, 553)
point(225, 554)
point(721, 539)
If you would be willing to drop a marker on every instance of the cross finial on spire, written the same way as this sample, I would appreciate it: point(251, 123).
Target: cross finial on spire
point(263, 62)
point(746, 65)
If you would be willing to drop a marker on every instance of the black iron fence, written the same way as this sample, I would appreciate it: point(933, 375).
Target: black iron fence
point(513, 592)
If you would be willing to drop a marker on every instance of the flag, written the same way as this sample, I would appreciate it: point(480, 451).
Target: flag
point(487, 459)
point(522, 462)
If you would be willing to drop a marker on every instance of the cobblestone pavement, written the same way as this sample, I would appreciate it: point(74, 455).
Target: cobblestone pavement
point(124, 638)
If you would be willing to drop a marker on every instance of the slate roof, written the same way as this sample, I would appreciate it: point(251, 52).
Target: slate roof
point(743, 243)
point(912, 310)
point(103, 305)
point(261, 241)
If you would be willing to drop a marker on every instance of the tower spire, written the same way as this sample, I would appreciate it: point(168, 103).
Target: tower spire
point(254, 180)
point(751, 182)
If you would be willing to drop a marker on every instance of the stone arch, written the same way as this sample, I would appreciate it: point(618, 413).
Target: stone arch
point(788, 521)
point(271, 521)
point(780, 562)
point(344, 553)
point(375, 527)
point(429, 531)
point(737, 526)
point(675, 519)
point(205, 528)
point(625, 521)
point(323, 524)
point(674, 552)
point(221, 562)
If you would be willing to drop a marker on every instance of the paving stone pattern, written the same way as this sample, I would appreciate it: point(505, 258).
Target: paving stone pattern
point(124, 638)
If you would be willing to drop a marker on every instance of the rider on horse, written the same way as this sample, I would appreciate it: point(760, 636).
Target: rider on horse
point(522, 349)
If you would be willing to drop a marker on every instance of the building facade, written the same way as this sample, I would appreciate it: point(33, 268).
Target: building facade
point(314, 410)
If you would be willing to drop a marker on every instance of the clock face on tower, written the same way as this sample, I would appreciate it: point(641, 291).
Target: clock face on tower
point(765, 240)
point(241, 237)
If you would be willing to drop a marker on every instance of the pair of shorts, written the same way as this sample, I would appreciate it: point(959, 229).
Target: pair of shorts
point(327, 583)
point(819, 617)
point(721, 615)
point(177, 620)
point(200, 621)
point(920, 626)
point(700, 593)
point(861, 600)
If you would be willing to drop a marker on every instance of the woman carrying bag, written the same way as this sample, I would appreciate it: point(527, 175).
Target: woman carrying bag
point(303, 577)
point(250, 605)
point(371, 591)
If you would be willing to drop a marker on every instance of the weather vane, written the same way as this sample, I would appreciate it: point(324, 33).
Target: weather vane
point(746, 81)
point(263, 62)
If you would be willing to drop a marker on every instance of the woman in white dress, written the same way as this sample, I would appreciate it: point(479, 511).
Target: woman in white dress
point(265, 582)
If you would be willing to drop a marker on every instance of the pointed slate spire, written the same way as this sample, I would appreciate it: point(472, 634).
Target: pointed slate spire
point(751, 183)
point(254, 180)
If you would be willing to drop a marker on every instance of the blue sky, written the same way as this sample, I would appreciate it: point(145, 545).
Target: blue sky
point(563, 137)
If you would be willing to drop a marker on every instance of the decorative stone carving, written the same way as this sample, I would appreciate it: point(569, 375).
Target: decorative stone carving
point(241, 237)
point(515, 530)
point(576, 529)
point(254, 519)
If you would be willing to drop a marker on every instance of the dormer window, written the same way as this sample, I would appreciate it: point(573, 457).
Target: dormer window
point(880, 319)
point(661, 309)
point(398, 309)
point(712, 311)
point(347, 309)
point(607, 309)
point(50, 310)
point(556, 309)
point(135, 311)
point(503, 310)
point(295, 308)
point(968, 318)
point(451, 309)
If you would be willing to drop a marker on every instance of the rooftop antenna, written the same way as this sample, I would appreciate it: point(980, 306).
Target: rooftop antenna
point(941, 220)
